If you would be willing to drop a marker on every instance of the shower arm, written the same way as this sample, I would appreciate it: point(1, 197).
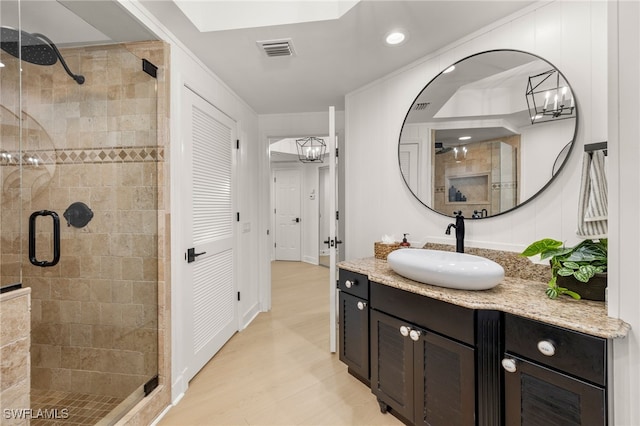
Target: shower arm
point(78, 78)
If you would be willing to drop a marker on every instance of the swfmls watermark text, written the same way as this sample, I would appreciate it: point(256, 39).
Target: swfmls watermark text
point(29, 413)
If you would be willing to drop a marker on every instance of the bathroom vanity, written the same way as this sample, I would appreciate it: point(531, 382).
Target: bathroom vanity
point(504, 356)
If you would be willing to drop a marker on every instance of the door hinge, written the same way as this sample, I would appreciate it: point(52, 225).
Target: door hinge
point(336, 152)
point(337, 283)
point(149, 68)
point(151, 385)
point(337, 215)
point(238, 296)
point(267, 232)
point(274, 179)
point(237, 143)
point(238, 217)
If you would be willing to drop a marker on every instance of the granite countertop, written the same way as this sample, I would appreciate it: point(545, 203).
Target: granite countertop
point(514, 295)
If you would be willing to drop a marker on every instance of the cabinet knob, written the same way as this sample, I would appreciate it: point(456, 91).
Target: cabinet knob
point(362, 305)
point(546, 347)
point(509, 364)
point(404, 330)
point(415, 335)
point(349, 284)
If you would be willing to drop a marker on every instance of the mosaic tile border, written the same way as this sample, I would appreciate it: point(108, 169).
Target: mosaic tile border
point(120, 154)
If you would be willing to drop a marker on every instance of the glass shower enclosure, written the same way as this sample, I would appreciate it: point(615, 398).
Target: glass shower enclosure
point(79, 165)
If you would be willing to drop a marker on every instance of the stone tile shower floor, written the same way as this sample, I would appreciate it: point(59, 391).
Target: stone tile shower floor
point(82, 409)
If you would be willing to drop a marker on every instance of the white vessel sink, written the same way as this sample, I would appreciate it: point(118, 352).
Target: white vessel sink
point(446, 269)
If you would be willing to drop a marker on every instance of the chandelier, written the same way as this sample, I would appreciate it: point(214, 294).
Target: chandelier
point(549, 97)
point(311, 149)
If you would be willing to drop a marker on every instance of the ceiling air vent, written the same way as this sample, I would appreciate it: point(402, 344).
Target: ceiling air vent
point(421, 105)
point(281, 47)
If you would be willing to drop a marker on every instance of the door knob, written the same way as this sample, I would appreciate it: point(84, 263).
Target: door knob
point(404, 330)
point(361, 306)
point(349, 284)
point(296, 220)
point(415, 335)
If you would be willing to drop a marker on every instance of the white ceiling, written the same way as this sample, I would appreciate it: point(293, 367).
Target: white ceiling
point(333, 56)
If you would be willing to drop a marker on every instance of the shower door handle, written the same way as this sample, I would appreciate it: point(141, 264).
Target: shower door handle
point(32, 238)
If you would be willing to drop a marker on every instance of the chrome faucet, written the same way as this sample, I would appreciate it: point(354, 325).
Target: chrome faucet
point(459, 226)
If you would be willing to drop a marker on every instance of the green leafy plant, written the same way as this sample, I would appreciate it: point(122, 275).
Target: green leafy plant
point(582, 261)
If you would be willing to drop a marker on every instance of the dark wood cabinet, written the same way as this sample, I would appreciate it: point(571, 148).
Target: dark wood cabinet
point(430, 362)
point(353, 323)
point(392, 362)
point(553, 376)
point(425, 378)
point(354, 335)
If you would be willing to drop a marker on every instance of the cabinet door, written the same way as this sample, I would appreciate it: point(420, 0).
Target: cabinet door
point(392, 364)
point(354, 335)
point(538, 396)
point(444, 382)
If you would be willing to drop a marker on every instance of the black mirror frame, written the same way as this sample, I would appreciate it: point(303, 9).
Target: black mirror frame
point(554, 175)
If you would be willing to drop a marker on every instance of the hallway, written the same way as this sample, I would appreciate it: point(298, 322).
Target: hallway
point(279, 370)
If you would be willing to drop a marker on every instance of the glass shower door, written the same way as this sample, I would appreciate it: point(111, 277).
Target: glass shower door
point(87, 153)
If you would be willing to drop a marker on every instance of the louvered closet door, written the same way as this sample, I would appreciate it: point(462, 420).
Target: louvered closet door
point(211, 291)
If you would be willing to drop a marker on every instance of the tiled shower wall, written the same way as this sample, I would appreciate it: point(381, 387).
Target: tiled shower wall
point(95, 314)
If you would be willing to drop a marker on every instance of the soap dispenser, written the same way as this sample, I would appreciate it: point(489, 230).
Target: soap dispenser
point(404, 242)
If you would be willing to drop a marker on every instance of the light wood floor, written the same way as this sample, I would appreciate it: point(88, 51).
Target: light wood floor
point(279, 371)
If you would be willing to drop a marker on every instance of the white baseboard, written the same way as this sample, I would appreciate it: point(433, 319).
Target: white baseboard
point(310, 259)
point(164, 413)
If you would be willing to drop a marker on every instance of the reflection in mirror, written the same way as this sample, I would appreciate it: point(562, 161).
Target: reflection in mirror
point(485, 135)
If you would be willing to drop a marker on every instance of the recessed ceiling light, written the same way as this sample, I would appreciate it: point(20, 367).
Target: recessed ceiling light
point(395, 37)
point(448, 70)
point(464, 138)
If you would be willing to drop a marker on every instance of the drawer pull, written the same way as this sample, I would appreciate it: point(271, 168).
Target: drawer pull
point(509, 364)
point(361, 306)
point(546, 348)
point(404, 330)
point(349, 284)
point(414, 335)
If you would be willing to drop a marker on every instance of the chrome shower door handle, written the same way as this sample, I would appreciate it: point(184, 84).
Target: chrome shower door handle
point(32, 238)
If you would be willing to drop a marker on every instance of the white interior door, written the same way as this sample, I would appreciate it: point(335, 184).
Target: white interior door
point(287, 211)
point(334, 239)
point(209, 236)
point(324, 211)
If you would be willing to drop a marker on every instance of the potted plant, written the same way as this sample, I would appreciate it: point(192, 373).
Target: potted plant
point(579, 271)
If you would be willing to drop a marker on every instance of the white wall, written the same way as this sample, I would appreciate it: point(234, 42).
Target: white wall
point(624, 203)
point(186, 69)
point(572, 36)
point(597, 47)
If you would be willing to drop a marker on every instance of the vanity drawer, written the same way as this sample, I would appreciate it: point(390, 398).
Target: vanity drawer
point(452, 321)
point(354, 284)
point(572, 352)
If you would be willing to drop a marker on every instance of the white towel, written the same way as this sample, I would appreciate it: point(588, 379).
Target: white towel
point(592, 207)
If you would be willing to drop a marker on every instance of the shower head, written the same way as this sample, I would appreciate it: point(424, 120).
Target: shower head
point(34, 48)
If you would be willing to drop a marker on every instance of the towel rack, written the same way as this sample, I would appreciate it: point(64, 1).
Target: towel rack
point(598, 146)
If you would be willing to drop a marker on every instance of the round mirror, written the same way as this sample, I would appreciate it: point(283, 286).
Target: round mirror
point(485, 134)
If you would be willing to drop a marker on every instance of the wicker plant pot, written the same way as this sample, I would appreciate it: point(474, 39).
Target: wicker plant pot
point(592, 290)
